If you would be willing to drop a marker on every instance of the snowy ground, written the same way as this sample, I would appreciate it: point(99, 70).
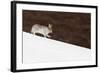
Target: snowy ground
point(38, 49)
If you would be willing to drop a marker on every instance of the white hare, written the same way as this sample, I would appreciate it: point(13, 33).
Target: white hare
point(44, 30)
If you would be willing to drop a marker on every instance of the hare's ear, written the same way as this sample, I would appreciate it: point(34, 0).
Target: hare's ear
point(50, 25)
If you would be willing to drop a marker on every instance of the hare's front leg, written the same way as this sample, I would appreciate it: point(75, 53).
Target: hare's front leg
point(48, 36)
point(45, 36)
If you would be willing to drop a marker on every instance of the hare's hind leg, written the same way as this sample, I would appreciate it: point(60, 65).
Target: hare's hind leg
point(33, 33)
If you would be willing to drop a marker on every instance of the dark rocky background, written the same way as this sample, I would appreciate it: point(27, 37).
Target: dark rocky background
point(68, 27)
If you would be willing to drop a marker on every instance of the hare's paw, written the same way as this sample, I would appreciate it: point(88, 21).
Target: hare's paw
point(48, 36)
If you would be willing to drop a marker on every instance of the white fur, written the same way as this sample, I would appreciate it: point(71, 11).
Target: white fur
point(44, 30)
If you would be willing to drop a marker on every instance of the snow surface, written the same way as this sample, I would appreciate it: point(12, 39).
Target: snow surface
point(38, 49)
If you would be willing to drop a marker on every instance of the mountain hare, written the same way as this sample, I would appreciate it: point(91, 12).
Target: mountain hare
point(44, 30)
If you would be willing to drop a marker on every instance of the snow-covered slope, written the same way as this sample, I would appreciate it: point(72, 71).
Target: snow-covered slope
point(40, 49)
